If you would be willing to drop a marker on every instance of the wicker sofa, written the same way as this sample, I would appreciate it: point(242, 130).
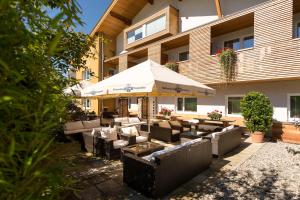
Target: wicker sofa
point(161, 172)
point(80, 126)
point(226, 140)
point(163, 131)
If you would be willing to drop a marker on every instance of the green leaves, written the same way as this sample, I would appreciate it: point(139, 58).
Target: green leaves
point(257, 112)
point(36, 52)
point(228, 62)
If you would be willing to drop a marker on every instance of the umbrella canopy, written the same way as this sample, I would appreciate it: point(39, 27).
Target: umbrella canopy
point(147, 79)
point(77, 89)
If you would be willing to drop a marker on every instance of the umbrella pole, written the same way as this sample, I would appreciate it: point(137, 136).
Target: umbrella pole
point(148, 114)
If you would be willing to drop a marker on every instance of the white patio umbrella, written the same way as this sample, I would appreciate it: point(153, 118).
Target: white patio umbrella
point(77, 89)
point(148, 79)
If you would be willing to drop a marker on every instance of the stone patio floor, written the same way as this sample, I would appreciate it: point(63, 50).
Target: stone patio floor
point(270, 170)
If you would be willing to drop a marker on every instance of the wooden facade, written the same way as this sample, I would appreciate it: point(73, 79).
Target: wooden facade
point(274, 56)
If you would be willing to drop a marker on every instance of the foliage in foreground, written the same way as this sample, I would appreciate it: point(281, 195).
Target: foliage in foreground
point(36, 52)
point(257, 111)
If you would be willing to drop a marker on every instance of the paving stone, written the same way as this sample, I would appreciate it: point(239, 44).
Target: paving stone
point(91, 193)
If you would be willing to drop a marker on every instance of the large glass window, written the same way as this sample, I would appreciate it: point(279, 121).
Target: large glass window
point(183, 56)
point(233, 44)
point(156, 25)
point(233, 105)
point(148, 29)
point(248, 42)
point(295, 106)
point(187, 104)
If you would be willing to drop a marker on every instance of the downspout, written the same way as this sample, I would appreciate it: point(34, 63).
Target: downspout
point(102, 63)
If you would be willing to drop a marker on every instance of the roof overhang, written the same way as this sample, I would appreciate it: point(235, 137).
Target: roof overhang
point(118, 16)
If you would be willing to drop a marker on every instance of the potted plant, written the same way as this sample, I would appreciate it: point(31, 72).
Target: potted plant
point(228, 61)
point(215, 115)
point(257, 111)
point(172, 65)
point(166, 111)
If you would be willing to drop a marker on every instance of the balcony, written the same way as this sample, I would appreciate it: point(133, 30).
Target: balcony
point(236, 34)
point(162, 24)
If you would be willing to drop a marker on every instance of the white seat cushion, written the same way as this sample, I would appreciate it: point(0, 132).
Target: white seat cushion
point(119, 144)
point(113, 135)
point(132, 130)
point(140, 139)
point(91, 124)
point(228, 128)
point(186, 129)
point(123, 120)
point(133, 120)
point(71, 126)
point(174, 132)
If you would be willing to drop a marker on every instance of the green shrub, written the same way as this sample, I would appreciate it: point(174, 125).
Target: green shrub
point(173, 66)
point(36, 52)
point(257, 111)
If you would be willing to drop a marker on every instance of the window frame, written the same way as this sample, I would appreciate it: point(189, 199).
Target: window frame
point(188, 55)
point(246, 37)
point(144, 29)
point(84, 74)
point(84, 104)
point(226, 105)
point(183, 105)
point(289, 118)
point(233, 40)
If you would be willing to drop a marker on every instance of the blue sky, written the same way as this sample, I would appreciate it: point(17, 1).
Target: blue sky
point(92, 10)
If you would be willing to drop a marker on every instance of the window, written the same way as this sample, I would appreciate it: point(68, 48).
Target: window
point(294, 101)
point(147, 29)
point(298, 30)
point(233, 105)
point(187, 104)
point(183, 56)
point(86, 103)
point(233, 44)
point(248, 42)
point(86, 74)
point(156, 25)
point(135, 35)
point(180, 104)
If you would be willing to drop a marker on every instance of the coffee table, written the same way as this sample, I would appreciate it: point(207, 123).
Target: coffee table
point(142, 149)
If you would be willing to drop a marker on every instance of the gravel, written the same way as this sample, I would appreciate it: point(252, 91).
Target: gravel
point(273, 172)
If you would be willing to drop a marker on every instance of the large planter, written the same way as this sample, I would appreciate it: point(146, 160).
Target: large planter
point(257, 137)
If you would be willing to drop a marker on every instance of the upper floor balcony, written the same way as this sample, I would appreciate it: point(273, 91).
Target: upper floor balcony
point(162, 24)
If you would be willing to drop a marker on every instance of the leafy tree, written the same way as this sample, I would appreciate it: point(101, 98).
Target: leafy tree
point(36, 52)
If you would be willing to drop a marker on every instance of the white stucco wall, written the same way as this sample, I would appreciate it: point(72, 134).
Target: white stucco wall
point(218, 42)
point(232, 6)
point(173, 54)
point(276, 91)
point(192, 13)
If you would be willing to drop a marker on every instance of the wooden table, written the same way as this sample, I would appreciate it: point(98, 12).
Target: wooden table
point(225, 122)
point(142, 149)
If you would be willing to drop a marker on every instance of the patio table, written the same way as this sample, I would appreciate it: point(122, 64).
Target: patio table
point(225, 122)
point(142, 149)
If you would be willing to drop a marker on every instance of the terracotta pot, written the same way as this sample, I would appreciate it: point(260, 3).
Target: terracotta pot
point(257, 137)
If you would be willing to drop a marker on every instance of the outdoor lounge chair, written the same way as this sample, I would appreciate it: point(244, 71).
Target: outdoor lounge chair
point(182, 127)
point(163, 131)
point(111, 143)
point(135, 135)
